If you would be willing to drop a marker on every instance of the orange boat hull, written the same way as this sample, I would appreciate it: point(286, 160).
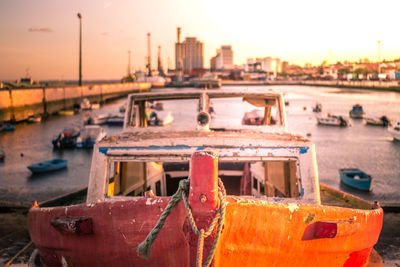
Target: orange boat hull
point(255, 233)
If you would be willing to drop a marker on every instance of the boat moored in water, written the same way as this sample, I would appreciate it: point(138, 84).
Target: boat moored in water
point(356, 178)
point(378, 121)
point(48, 166)
point(229, 195)
point(67, 138)
point(332, 120)
point(317, 108)
point(395, 131)
point(90, 134)
point(357, 112)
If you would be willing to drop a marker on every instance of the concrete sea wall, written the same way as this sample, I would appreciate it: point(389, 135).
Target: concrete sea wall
point(17, 104)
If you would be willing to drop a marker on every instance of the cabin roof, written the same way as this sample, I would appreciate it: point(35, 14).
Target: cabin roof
point(236, 138)
point(193, 94)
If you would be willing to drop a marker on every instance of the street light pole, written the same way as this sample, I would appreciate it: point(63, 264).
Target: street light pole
point(379, 56)
point(80, 49)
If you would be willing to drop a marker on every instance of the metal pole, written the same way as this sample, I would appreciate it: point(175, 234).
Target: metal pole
point(80, 49)
point(379, 56)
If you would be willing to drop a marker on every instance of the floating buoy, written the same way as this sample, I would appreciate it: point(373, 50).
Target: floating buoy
point(304, 108)
point(22, 154)
point(308, 134)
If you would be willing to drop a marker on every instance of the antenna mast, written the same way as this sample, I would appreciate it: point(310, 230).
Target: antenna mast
point(148, 56)
point(159, 66)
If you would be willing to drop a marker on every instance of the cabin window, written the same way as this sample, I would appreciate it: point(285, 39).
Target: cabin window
point(158, 188)
point(225, 112)
point(256, 178)
point(255, 183)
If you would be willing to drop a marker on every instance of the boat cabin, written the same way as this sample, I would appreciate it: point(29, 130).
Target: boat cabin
point(253, 160)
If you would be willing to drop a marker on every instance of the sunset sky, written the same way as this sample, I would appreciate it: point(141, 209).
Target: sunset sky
point(42, 35)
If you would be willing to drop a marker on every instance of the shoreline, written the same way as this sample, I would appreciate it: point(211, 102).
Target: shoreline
point(357, 85)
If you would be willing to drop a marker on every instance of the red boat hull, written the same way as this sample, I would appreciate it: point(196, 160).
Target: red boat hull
point(254, 233)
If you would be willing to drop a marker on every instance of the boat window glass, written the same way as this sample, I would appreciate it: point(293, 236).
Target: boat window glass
point(256, 178)
point(233, 112)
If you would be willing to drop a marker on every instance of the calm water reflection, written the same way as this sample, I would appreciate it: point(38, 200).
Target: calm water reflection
point(368, 148)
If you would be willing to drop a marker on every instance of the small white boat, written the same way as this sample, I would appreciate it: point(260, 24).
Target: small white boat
point(378, 121)
point(34, 119)
point(160, 118)
point(90, 135)
point(332, 120)
point(95, 106)
point(100, 119)
point(85, 104)
point(395, 131)
point(254, 117)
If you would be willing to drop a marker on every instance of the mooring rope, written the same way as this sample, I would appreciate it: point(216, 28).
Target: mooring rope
point(144, 247)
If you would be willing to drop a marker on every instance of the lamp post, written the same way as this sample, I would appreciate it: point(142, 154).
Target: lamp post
point(379, 56)
point(80, 49)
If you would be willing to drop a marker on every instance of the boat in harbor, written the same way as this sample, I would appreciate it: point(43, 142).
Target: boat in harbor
point(395, 131)
point(332, 120)
point(66, 112)
point(382, 121)
point(115, 120)
point(85, 104)
point(90, 135)
point(356, 178)
point(67, 138)
point(34, 119)
point(8, 127)
point(254, 117)
point(317, 108)
point(357, 112)
point(236, 195)
point(208, 80)
point(48, 166)
point(159, 118)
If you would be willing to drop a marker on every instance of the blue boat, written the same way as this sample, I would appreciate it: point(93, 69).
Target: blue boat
point(48, 166)
point(67, 138)
point(8, 127)
point(356, 178)
point(357, 112)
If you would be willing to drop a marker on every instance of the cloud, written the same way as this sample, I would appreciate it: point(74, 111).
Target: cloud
point(45, 30)
point(104, 33)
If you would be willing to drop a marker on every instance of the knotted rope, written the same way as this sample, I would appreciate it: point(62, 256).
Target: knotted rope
point(144, 247)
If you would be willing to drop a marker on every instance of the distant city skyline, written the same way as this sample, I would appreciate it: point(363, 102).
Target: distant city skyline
point(43, 35)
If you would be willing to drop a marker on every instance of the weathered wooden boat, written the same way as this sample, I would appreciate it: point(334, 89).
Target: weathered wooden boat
point(90, 135)
point(377, 121)
point(67, 138)
point(356, 178)
point(48, 166)
point(395, 131)
point(187, 196)
point(332, 120)
point(357, 112)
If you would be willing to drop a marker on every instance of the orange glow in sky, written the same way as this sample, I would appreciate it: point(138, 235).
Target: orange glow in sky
point(42, 35)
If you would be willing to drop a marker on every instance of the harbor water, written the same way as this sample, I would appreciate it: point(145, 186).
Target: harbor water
point(368, 148)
